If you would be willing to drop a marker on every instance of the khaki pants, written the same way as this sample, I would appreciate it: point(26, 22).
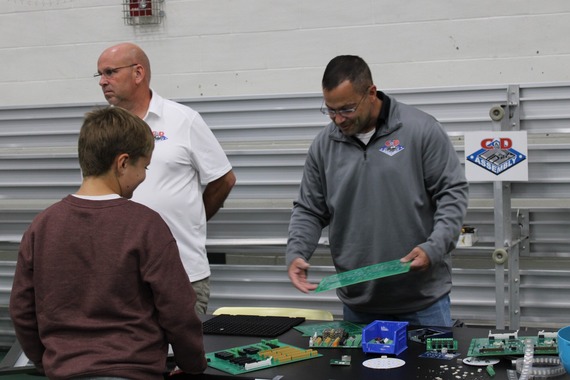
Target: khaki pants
point(202, 289)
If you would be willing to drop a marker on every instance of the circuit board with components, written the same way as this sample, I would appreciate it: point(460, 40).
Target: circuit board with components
point(502, 344)
point(336, 334)
point(441, 348)
point(253, 357)
point(441, 344)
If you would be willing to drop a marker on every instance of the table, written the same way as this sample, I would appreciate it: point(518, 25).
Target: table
point(416, 368)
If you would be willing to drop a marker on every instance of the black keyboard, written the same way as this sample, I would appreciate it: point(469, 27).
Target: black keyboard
point(250, 325)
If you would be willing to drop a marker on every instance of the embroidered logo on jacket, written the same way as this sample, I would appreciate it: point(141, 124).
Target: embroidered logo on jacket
point(159, 136)
point(391, 147)
point(496, 155)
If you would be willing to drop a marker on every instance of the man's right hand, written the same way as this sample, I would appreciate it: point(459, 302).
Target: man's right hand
point(298, 274)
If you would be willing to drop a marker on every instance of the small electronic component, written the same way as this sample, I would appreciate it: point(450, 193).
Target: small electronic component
point(547, 335)
point(344, 360)
point(380, 340)
point(259, 364)
point(503, 335)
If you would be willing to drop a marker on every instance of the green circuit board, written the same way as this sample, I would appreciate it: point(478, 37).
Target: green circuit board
point(355, 276)
point(335, 334)
point(545, 345)
point(257, 356)
point(439, 344)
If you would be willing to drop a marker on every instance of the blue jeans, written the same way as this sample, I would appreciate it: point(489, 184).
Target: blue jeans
point(438, 314)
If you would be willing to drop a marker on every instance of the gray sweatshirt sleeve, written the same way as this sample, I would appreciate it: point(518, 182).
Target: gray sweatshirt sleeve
point(310, 212)
point(445, 180)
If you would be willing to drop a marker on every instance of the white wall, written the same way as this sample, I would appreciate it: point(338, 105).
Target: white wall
point(49, 48)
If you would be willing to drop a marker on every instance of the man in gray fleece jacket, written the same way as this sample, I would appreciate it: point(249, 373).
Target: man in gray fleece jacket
point(386, 180)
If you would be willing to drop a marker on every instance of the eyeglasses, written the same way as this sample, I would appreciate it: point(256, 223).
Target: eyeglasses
point(108, 73)
point(342, 112)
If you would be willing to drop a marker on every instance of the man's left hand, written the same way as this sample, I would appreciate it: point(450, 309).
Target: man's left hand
point(419, 259)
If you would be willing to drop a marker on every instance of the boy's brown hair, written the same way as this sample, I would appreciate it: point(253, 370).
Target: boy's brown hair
point(108, 132)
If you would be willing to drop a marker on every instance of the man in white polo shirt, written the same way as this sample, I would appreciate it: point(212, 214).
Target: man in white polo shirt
point(186, 155)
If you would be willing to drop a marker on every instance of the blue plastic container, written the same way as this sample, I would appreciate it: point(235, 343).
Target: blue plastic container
point(385, 337)
point(564, 347)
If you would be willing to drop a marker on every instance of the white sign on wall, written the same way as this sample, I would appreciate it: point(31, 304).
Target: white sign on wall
point(496, 156)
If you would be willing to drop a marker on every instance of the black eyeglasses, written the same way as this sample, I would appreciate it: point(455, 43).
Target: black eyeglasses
point(342, 112)
point(108, 73)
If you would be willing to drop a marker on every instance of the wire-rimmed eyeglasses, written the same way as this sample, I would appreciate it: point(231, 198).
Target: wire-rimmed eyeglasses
point(109, 72)
point(344, 112)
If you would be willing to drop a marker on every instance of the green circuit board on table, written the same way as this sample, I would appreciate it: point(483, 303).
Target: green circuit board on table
point(505, 344)
point(370, 272)
point(335, 334)
point(257, 356)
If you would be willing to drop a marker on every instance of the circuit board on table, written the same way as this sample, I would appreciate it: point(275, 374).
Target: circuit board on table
point(335, 334)
point(512, 344)
point(441, 348)
point(253, 357)
point(370, 272)
point(441, 344)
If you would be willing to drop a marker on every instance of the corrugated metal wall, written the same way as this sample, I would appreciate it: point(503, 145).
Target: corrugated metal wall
point(266, 139)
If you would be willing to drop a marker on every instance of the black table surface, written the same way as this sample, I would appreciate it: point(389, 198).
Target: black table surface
point(320, 368)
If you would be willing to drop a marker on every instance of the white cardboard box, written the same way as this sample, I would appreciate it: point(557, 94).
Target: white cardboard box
point(467, 239)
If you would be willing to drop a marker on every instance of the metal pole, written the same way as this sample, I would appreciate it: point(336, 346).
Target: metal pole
point(506, 118)
point(514, 253)
point(502, 219)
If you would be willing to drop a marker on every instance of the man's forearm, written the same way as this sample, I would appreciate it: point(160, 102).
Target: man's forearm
point(216, 193)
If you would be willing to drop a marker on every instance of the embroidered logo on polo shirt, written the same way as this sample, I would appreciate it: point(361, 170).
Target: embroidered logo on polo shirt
point(159, 136)
point(391, 147)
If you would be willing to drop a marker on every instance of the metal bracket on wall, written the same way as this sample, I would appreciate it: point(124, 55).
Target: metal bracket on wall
point(523, 221)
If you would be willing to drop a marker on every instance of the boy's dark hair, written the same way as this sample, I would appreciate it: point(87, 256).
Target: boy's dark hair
point(347, 67)
point(108, 132)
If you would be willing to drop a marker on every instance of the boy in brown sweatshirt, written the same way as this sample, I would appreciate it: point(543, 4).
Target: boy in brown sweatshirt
point(99, 288)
